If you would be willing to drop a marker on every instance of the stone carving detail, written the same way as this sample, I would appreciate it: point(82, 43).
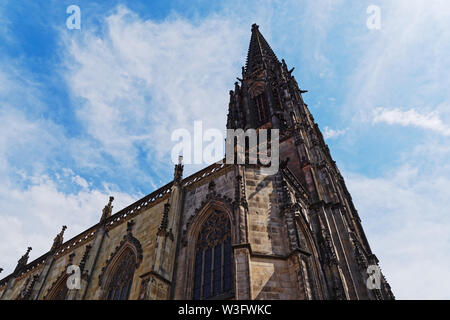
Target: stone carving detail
point(25, 293)
point(358, 252)
point(212, 186)
point(293, 181)
point(107, 210)
point(22, 261)
point(58, 241)
point(71, 256)
point(387, 288)
point(338, 291)
point(162, 230)
point(144, 293)
point(178, 172)
point(240, 198)
point(288, 210)
point(85, 258)
point(330, 257)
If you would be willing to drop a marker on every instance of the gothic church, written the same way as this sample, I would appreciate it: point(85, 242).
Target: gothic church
point(227, 231)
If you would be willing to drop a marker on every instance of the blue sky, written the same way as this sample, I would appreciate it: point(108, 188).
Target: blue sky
point(88, 113)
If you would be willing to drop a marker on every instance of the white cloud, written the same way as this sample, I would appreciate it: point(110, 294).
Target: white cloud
point(80, 181)
point(332, 134)
point(33, 202)
point(405, 216)
point(140, 79)
point(404, 63)
point(32, 217)
point(430, 121)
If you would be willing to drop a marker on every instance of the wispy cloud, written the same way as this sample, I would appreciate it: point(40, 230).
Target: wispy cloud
point(429, 121)
point(38, 193)
point(405, 216)
point(332, 133)
point(140, 80)
point(32, 216)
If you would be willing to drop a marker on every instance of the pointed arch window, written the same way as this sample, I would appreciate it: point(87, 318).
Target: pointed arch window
point(122, 276)
point(213, 256)
point(60, 290)
point(62, 293)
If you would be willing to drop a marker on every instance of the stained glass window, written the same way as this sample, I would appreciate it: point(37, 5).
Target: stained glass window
point(212, 276)
point(120, 284)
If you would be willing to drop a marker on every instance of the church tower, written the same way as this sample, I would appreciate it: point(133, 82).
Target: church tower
point(230, 230)
point(313, 190)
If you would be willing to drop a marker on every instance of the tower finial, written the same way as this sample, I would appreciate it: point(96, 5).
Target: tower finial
point(58, 239)
point(254, 27)
point(107, 210)
point(22, 261)
point(178, 172)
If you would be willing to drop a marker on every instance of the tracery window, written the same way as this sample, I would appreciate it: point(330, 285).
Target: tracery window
point(59, 290)
point(62, 292)
point(120, 284)
point(213, 274)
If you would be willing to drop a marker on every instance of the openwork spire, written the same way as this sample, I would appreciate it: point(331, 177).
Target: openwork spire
point(260, 54)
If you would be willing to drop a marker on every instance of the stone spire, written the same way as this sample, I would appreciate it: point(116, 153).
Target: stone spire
point(22, 261)
point(260, 54)
point(261, 101)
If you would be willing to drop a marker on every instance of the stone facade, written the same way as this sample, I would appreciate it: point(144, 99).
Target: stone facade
point(294, 234)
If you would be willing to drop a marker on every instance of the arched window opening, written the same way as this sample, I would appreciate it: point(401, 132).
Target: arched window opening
point(213, 274)
point(60, 291)
point(122, 277)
